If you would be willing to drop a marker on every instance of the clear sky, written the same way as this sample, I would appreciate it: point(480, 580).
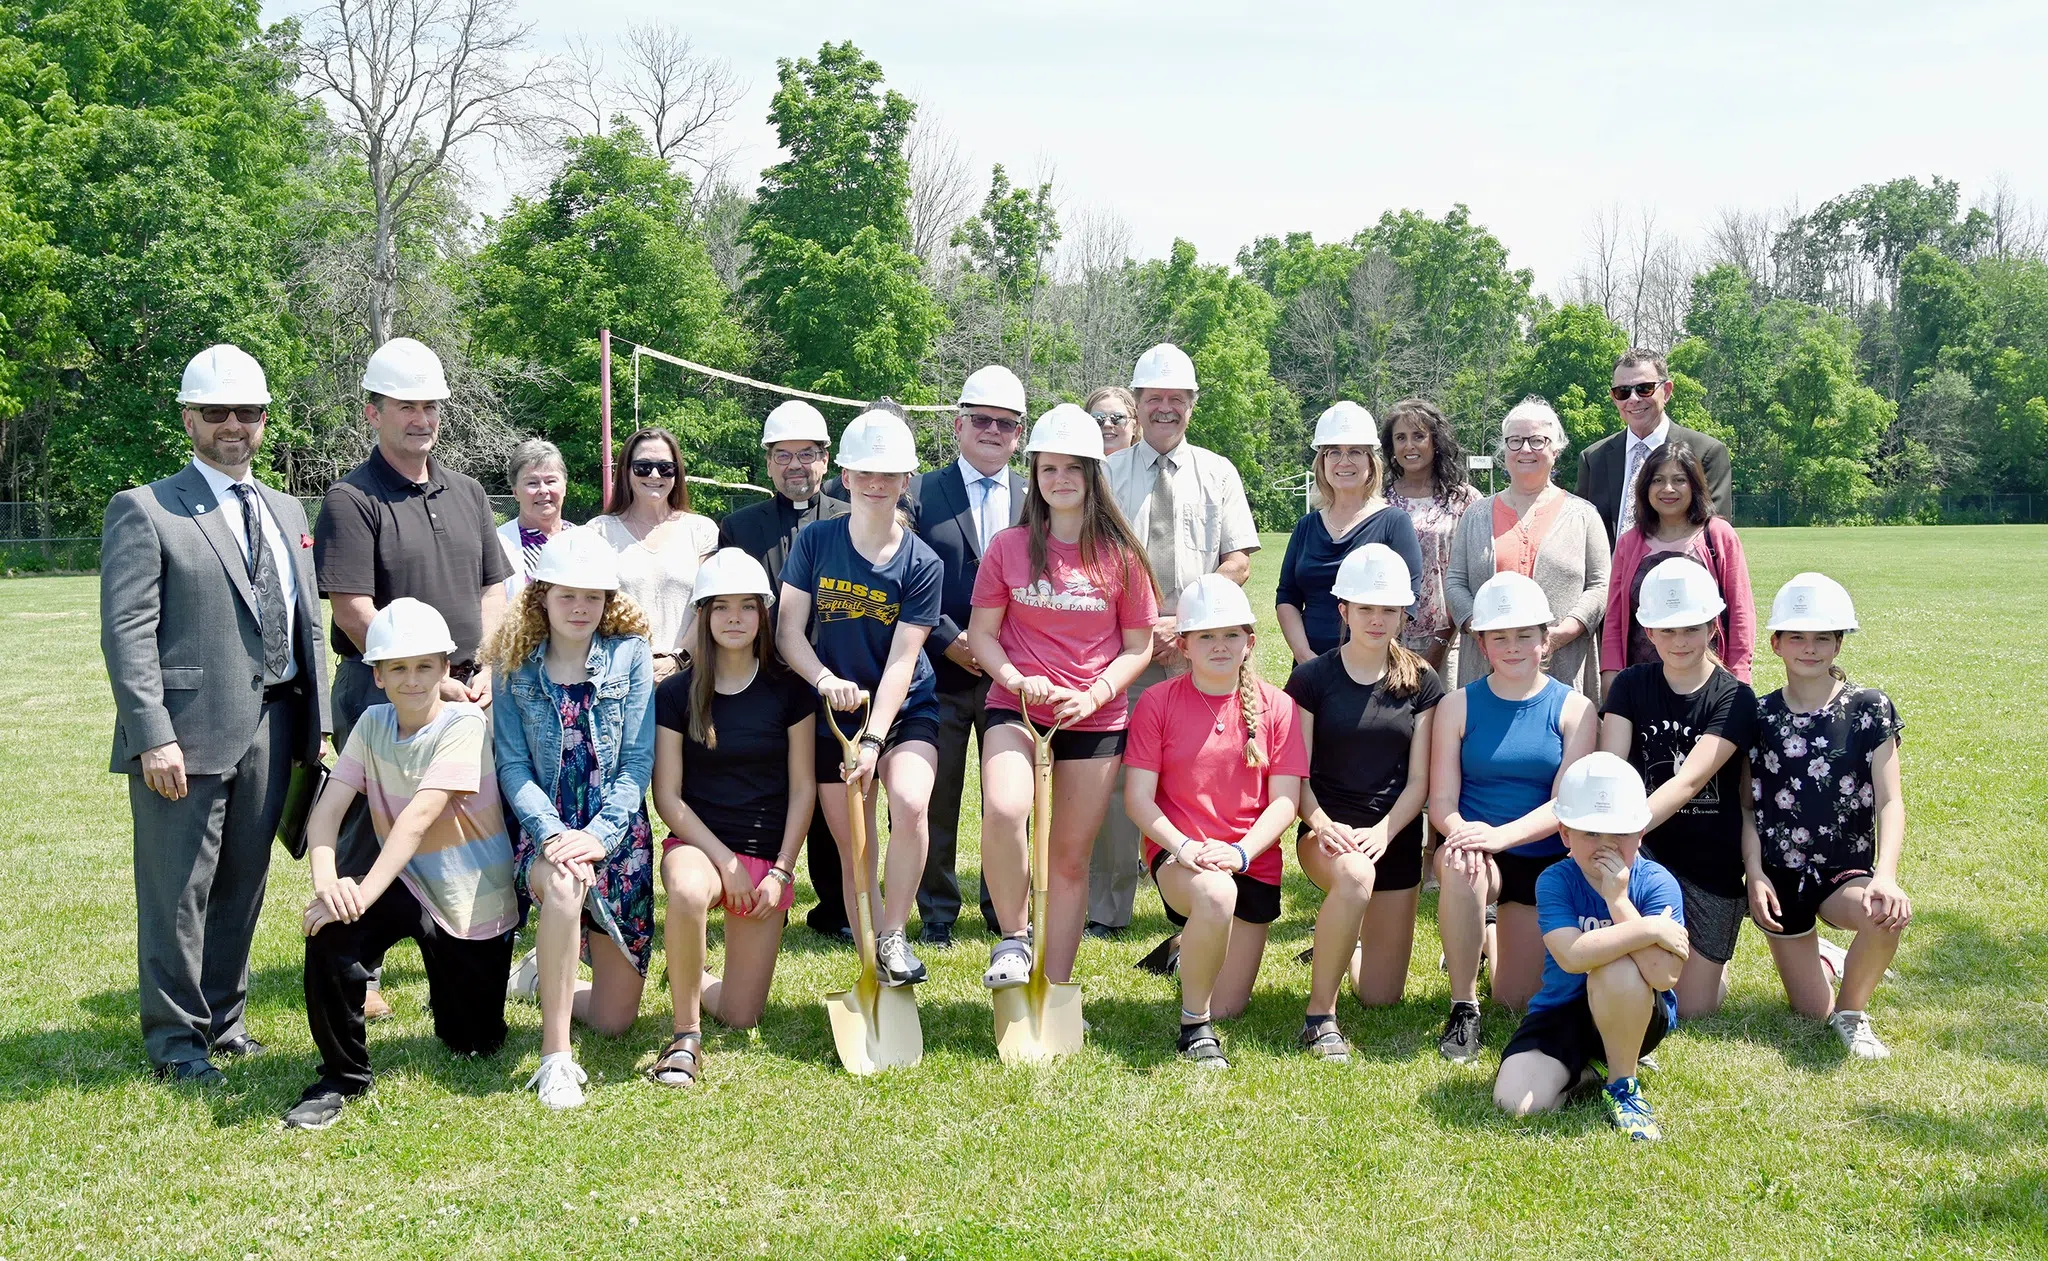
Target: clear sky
point(1222, 122)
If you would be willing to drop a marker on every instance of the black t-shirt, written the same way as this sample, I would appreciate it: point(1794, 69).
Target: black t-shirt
point(741, 788)
point(1703, 841)
point(1362, 735)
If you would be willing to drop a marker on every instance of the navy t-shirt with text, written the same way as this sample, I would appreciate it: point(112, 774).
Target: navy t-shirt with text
point(856, 606)
point(1566, 899)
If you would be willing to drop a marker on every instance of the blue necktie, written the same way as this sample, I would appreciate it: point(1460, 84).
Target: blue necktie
point(988, 525)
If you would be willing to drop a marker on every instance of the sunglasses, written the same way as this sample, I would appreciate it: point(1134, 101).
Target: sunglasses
point(809, 455)
point(1109, 418)
point(222, 415)
point(1641, 389)
point(654, 468)
point(1004, 425)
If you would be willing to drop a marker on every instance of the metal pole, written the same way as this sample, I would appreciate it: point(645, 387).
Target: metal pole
point(604, 413)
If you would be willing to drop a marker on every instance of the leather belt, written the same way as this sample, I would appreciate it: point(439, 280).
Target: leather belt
point(279, 692)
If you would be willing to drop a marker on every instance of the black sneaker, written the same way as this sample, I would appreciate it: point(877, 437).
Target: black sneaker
point(937, 936)
point(1199, 1045)
point(239, 1045)
point(200, 1073)
point(1460, 1043)
point(898, 966)
point(317, 1110)
point(1101, 931)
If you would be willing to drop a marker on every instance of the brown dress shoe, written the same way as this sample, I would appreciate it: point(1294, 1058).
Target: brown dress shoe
point(374, 1006)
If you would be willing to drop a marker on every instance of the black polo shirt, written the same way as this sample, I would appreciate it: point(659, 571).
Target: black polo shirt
point(385, 537)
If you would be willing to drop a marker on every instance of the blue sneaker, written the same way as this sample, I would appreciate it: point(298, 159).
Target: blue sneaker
point(1630, 1112)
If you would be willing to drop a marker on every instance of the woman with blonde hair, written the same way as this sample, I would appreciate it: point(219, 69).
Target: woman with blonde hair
point(1115, 409)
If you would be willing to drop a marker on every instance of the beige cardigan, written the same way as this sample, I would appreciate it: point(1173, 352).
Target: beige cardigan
point(1571, 567)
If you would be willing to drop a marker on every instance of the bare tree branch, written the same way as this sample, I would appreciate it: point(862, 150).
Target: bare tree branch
point(941, 186)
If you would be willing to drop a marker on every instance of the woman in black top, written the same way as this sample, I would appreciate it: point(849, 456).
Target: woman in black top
point(1682, 723)
point(1368, 706)
point(734, 780)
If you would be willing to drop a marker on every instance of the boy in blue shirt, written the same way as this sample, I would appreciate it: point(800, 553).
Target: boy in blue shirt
point(1613, 925)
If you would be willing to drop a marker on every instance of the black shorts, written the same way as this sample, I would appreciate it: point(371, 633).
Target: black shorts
point(1800, 893)
point(1567, 1034)
point(1398, 868)
point(831, 760)
point(1257, 901)
point(1712, 920)
point(1518, 874)
point(1067, 746)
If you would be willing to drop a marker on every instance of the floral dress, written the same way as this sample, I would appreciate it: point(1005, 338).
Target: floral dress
point(1435, 523)
point(621, 901)
point(1816, 801)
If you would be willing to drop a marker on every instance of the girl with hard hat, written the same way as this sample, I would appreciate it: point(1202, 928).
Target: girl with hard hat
point(1351, 514)
point(734, 779)
point(1062, 623)
point(1674, 516)
point(1499, 745)
point(1367, 709)
point(1824, 823)
point(1685, 724)
point(860, 594)
point(1216, 759)
point(574, 736)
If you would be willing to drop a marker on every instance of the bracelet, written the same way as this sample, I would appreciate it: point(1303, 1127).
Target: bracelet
point(1105, 683)
point(1244, 860)
point(871, 741)
point(783, 872)
point(824, 672)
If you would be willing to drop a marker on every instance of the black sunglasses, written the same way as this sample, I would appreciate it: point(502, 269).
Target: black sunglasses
point(654, 468)
point(1641, 389)
point(1004, 425)
point(222, 415)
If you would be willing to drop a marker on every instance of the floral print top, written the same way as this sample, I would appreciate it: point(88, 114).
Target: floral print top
point(1435, 523)
point(1816, 804)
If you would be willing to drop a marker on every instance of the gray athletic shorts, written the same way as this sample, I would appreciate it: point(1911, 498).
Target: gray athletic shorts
point(1711, 921)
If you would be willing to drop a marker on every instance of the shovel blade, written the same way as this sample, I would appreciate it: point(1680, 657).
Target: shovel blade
point(876, 1035)
point(1038, 1021)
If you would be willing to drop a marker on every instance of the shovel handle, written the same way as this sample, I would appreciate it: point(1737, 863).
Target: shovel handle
point(1041, 835)
point(849, 746)
point(857, 838)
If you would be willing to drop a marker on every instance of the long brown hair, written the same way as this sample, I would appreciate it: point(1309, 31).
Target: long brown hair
point(525, 626)
point(1103, 527)
point(1404, 667)
point(1699, 511)
point(1447, 459)
point(622, 473)
point(704, 667)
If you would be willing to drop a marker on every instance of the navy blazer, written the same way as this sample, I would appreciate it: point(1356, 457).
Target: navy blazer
point(945, 521)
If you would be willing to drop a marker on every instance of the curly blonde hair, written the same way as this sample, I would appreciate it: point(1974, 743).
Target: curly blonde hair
point(525, 627)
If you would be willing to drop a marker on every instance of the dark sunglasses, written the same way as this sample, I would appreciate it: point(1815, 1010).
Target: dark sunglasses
point(1001, 424)
point(1641, 389)
point(654, 468)
point(222, 415)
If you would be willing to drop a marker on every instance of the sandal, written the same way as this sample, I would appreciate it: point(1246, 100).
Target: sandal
point(1199, 1045)
point(1009, 963)
point(681, 1062)
point(1325, 1042)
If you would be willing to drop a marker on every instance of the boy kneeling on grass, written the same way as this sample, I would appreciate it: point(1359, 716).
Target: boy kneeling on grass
point(1614, 942)
point(443, 877)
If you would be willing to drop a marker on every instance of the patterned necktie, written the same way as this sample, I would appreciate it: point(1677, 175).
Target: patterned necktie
point(989, 525)
point(270, 610)
point(1162, 515)
point(1637, 451)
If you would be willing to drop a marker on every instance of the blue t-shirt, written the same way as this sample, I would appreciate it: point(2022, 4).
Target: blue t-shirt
point(1509, 759)
point(1309, 569)
point(1566, 899)
point(855, 607)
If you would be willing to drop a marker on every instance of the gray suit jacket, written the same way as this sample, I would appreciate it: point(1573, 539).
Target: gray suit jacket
point(178, 627)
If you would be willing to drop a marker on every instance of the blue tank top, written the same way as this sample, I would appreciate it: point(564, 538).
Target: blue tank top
point(1509, 759)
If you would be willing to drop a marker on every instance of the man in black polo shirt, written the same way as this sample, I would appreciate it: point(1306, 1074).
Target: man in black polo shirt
point(399, 524)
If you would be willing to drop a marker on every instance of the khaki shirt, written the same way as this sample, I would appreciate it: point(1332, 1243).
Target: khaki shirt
point(1215, 517)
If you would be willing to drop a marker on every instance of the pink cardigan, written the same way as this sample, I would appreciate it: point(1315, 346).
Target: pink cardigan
point(1731, 571)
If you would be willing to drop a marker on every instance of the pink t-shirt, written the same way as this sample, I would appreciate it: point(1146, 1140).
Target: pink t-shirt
point(1067, 624)
point(1205, 789)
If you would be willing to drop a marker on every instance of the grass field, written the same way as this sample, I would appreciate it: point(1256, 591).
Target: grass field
point(1775, 1145)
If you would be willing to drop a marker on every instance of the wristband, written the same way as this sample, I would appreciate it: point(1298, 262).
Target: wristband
point(871, 741)
point(1244, 860)
point(782, 873)
point(1105, 700)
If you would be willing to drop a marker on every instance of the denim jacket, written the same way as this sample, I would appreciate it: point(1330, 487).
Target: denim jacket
point(526, 728)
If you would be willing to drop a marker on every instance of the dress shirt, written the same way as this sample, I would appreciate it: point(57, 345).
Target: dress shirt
point(1630, 458)
point(1215, 517)
point(995, 509)
point(230, 506)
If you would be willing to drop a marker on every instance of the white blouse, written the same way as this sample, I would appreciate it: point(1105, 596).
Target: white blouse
point(662, 580)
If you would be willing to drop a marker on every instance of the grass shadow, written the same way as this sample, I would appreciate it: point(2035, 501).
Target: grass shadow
point(1765, 1021)
point(1464, 1101)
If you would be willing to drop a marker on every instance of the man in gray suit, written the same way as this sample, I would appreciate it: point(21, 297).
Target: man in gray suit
point(210, 624)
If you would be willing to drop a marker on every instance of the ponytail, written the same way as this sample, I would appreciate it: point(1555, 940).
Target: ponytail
point(1248, 706)
point(1404, 671)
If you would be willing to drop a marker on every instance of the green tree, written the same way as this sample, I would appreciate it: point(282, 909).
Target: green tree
point(1822, 428)
point(1011, 239)
point(1569, 360)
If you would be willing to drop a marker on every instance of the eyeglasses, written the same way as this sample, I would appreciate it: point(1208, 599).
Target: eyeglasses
point(1109, 418)
point(1004, 425)
point(222, 415)
point(1531, 442)
point(783, 459)
point(1641, 389)
point(654, 468)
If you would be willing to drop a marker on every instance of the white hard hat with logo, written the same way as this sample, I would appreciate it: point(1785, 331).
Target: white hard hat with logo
point(578, 557)
point(223, 376)
point(1375, 574)
point(1602, 793)
point(407, 628)
point(993, 386)
point(1212, 601)
point(878, 442)
point(1164, 367)
point(730, 571)
point(1812, 602)
point(1066, 430)
point(1679, 592)
point(1509, 601)
point(406, 369)
point(1345, 424)
point(794, 421)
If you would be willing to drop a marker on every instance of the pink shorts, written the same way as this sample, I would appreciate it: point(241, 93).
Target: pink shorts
point(758, 868)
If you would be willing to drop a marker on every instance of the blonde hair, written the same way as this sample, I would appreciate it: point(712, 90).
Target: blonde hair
point(1375, 476)
point(704, 668)
point(1248, 705)
point(525, 627)
point(1404, 668)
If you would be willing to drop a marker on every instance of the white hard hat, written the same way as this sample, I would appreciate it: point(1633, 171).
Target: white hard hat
point(1164, 367)
point(1066, 430)
point(1375, 574)
point(407, 628)
point(730, 571)
point(223, 376)
point(404, 368)
point(1508, 601)
point(1679, 592)
point(794, 421)
point(1602, 793)
point(878, 442)
point(1345, 424)
point(578, 557)
point(993, 386)
point(1211, 601)
point(1812, 602)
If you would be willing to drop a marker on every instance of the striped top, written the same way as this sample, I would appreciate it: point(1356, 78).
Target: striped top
point(462, 872)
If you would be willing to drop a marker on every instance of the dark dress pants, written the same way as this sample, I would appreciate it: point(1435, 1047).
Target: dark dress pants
point(961, 714)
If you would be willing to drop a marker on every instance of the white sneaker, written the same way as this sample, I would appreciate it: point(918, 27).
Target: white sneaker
point(1853, 1028)
point(524, 983)
point(1832, 958)
point(558, 1081)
